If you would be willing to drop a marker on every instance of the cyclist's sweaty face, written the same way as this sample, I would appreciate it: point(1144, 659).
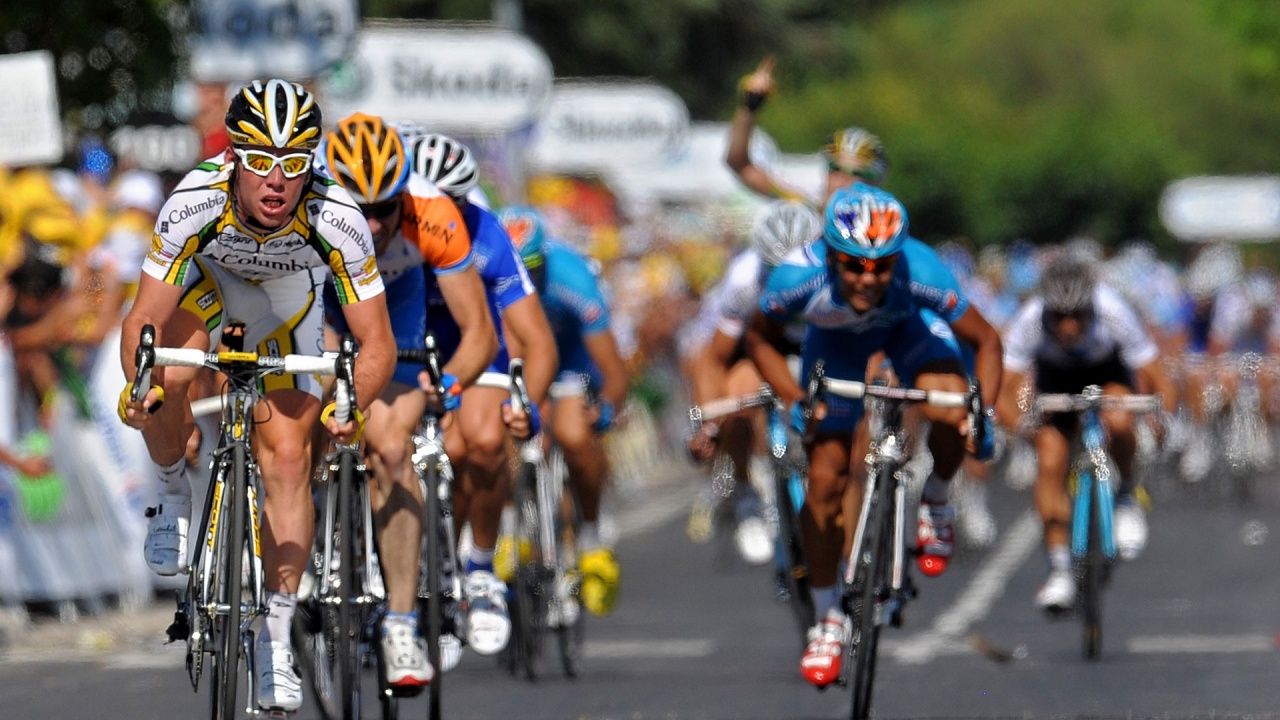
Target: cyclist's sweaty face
point(268, 202)
point(863, 282)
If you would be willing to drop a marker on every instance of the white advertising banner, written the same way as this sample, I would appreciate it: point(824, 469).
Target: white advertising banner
point(241, 40)
point(1223, 208)
point(697, 172)
point(471, 81)
point(30, 128)
point(597, 126)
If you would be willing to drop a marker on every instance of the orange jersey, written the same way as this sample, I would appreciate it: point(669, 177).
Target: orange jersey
point(432, 224)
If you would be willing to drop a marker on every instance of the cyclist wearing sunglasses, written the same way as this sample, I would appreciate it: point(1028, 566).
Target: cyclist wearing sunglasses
point(716, 361)
point(579, 317)
point(417, 231)
point(1079, 332)
point(852, 154)
point(250, 236)
point(477, 442)
point(866, 287)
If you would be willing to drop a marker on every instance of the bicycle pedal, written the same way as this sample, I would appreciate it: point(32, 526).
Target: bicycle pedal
point(179, 629)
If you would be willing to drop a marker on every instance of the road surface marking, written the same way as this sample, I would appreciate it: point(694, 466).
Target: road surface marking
point(647, 649)
point(1163, 644)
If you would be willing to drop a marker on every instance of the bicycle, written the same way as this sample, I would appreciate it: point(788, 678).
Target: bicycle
point(783, 508)
point(1093, 544)
point(876, 584)
point(545, 583)
point(226, 586)
point(336, 627)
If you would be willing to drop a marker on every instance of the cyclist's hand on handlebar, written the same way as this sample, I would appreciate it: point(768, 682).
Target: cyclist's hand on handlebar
point(348, 433)
point(987, 448)
point(603, 417)
point(138, 414)
point(452, 390)
point(522, 425)
point(802, 424)
point(702, 444)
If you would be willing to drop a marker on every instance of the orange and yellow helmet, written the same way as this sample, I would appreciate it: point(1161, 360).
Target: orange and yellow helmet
point(367, 157)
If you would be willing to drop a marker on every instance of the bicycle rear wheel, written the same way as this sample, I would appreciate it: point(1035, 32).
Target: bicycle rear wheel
point(792, 569)
point(228, 566)
point(1092, 574)
point(870, 584)
point(531, 588)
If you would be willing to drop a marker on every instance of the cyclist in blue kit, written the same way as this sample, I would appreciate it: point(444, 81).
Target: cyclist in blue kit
point(579, 318)
point(866, 287)
point(477, 440)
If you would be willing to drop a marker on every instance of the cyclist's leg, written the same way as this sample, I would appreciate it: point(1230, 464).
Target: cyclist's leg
point(486, 482)
point(397, 501)
point(740, 437)
point(1052, 442)
point(824, 522)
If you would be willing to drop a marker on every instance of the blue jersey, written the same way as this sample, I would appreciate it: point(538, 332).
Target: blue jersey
point(505, 282)
point(911, 324)
point(575, 307)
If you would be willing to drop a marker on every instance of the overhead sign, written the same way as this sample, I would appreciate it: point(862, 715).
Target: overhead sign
point(592, 126)
point(30, 127)
point(473, 81)
point(241, 40)
point(1223, 208)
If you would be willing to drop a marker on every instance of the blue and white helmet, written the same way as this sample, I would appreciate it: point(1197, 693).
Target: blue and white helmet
point(865, 221)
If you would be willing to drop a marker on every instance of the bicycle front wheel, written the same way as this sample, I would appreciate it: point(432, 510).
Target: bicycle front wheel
point(350, 616)
point(433, 555)
point(793, 572)
point(870, 583)
point(1093, 573)
point(531, 587)
point(233, 507)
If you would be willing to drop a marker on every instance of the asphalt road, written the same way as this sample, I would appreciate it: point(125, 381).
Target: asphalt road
point(1191, 631)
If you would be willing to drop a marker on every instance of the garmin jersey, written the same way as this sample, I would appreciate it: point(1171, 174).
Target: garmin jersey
point(327, 230)
point(802, 287)
point(1116, 329)
point(574, 304)
point(505, 281)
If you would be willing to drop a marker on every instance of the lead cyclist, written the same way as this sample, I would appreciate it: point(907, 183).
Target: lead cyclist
point(250, 236)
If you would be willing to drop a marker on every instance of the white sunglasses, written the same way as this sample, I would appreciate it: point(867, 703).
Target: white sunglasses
point(262, 163)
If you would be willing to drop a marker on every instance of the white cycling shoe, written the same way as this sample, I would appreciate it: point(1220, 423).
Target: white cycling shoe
point(1058, 594)
point(1130, 528)
point(488, 621)
point(165, 548)
point(279, 684)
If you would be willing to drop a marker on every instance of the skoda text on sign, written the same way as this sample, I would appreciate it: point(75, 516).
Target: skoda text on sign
point(30, 128)
point(601, 126)
point(242, 40)
point(1223, 208)
point(471, 81)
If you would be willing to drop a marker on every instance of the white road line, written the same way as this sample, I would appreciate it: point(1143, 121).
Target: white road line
point(647, 649)
point(1162, 644)
point(976, 600)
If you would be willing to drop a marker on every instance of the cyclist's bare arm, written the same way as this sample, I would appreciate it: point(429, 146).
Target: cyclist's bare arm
point(1009, 405)
point(738, 155)
point(464, 295)
point(710, 367)
point(1153, 379)
point(154, 305)
point(603, 349)
point(763, 337)
point(973, 328)
point(526, 329)
point(371, 326)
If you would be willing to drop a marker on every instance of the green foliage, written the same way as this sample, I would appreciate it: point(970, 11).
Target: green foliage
point(1019, 118)
point(111, 57)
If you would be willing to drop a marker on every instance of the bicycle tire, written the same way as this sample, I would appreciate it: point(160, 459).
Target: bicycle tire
point(350, 629)
point(231, 546)
point(1093, 574)
point(571, 638)
point(874, 568)
point(434, 604)
point(530, 575)
point(794, 571)
point(311, 639)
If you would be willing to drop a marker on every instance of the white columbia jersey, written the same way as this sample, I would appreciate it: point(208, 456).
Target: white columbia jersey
point(1116, 329)
point(729, 305)
point(327, 230)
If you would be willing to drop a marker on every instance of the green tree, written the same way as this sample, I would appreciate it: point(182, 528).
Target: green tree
point(111, 57)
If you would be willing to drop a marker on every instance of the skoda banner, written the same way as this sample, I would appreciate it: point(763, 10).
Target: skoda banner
point(1242, 208)
point(593, 126)
point(239, 40)
point(468, 81)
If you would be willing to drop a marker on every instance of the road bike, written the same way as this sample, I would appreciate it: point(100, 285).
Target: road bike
point(876, 584)
point(225, 591)
point(782, 508)
point(1093, 487)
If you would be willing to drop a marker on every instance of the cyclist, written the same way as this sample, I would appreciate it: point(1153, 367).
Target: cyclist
point(866, 287)
point(718, 365)
point(415, 228)
point(579, 318)
point(852, 154)
point(1080, 332)
point(478, 448)
point(250, 236)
